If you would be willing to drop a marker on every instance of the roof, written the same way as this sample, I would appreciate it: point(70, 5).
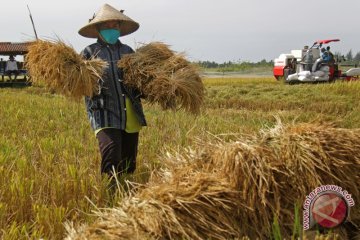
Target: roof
point(10, 48)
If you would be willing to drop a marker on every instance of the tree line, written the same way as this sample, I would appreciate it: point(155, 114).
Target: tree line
point(350, 56)
point(230, 66)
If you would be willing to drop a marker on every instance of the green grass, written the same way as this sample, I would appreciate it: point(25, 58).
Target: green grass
point(49, 158)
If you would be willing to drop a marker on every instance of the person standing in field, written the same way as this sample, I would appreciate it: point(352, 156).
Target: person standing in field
point(116, 114)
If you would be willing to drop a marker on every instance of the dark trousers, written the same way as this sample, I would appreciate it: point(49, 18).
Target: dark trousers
point(118, 151)
point(12, 72)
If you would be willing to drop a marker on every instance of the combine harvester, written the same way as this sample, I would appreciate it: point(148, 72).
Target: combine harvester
point(306, 65)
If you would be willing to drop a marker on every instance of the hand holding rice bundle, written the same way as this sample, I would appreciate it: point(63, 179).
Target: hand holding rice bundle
point(161, 75)
point(58, 67)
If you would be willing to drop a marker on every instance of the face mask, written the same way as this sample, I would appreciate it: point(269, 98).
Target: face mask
point(110, 35)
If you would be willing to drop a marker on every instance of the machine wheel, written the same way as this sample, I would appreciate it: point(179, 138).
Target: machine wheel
point(286, 73)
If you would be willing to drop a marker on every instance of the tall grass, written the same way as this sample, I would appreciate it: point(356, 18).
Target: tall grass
point(49, 159)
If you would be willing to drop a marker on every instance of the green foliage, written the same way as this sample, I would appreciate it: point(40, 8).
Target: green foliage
point(235, 66)
point(357, 57)
point(297, 229)
point(349, 55)
point(276, 230)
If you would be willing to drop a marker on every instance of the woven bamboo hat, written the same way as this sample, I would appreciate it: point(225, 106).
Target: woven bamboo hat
point(105, 14)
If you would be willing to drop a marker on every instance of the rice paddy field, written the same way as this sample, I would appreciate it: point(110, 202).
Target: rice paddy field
point(49, 158)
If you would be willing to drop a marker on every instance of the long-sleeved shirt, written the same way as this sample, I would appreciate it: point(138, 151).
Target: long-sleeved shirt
point(325, 56)
point(108, 108)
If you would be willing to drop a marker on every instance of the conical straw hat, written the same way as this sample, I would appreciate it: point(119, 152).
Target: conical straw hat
point(105, 14)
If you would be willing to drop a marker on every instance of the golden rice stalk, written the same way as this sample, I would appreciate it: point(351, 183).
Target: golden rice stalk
point(229, 190)
point(59, 68)
point(164, 77)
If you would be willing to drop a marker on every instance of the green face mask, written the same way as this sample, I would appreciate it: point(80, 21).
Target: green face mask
point(110, 35)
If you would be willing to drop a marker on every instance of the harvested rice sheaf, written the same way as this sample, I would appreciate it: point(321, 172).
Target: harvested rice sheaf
point(164, 77)
point(227, 190)
point(60, 68)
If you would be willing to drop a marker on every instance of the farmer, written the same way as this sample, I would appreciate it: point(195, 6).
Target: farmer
point(325, 58)
point(325, 55)
point(116, 113)
point(331, 55)
point(11, 68)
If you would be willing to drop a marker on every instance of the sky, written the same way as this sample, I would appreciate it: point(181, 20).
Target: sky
point(226, 30)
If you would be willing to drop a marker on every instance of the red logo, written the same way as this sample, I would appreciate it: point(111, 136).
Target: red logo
point(329, 210)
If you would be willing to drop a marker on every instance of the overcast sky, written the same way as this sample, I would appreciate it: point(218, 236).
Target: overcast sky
point(226, 30)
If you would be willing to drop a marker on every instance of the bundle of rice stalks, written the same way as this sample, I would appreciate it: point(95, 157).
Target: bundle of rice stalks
point(278, 169)
point(164, 77)
point(58, 67)
point(169, 212)
point(228, 190)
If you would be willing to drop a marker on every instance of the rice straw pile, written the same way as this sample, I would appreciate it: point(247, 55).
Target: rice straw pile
point(58, 67)
point(164, 77)
point(227, 190)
